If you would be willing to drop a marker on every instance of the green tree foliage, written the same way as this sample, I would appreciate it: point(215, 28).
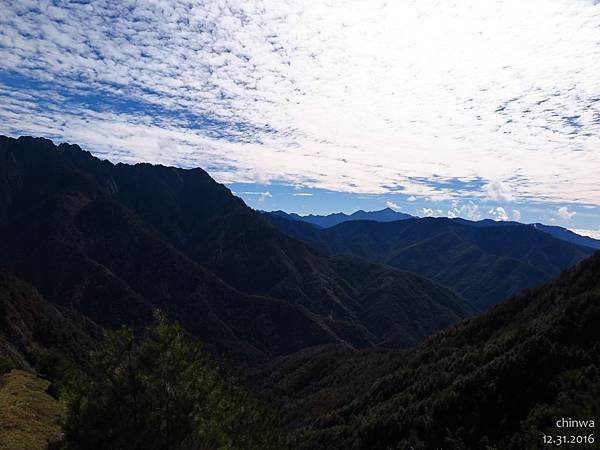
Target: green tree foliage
point(160, 392)
point(63, 374)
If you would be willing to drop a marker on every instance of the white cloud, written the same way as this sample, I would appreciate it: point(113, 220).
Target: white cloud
point(472, 211)
point(302, 194)
point(564, 213)
point(590, 233)
point(426, 212)
point(412, 198)
point(516, 214)
point(499, 214)
point(392, 205)
point(261, 195)
point(498, 191)
point(441, 195)
point(469, 211)
point(279, 90)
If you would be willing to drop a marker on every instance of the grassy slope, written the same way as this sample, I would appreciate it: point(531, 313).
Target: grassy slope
point(29, 417)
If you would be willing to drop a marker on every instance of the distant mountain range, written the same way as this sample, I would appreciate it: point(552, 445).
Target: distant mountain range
point(500, 380)
point(114, 242)
point(389, 215)
point(485, 262)
point(330, 220)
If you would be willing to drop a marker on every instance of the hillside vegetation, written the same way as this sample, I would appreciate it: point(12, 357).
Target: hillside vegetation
point(484, 262)
point(497, 381)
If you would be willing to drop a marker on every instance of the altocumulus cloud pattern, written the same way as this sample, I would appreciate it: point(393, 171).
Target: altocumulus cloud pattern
point(432, 98)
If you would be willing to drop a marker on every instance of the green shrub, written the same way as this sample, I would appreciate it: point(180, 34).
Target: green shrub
point(53, 365)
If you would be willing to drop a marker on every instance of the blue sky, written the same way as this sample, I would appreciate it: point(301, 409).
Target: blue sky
point(472, 109)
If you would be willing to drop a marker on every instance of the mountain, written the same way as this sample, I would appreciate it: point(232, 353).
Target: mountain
point(568, 235)
point(484, 263)
point(115, 242)
point(330, 220)
point(87, 245)
point(555, 231)
point(500, 380)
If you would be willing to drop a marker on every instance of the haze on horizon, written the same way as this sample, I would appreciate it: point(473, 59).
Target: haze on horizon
point(470, 109)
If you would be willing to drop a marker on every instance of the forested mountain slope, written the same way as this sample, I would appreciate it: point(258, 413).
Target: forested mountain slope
point(500, 380)
point(485, 264)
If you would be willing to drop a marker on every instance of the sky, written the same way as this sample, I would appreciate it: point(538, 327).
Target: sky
point(447, 108)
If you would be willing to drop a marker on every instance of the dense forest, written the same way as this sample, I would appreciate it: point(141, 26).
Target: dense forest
point(499, 381)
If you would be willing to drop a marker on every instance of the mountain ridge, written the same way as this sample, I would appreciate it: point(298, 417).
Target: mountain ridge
point(390, 215)
point(485, 264)
point(116, 241)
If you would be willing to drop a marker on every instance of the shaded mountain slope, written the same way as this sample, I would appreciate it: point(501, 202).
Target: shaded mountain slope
point(117, 241)
point(115, 271)
point(29, 326)
point(499, 380)
point(484, 264)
